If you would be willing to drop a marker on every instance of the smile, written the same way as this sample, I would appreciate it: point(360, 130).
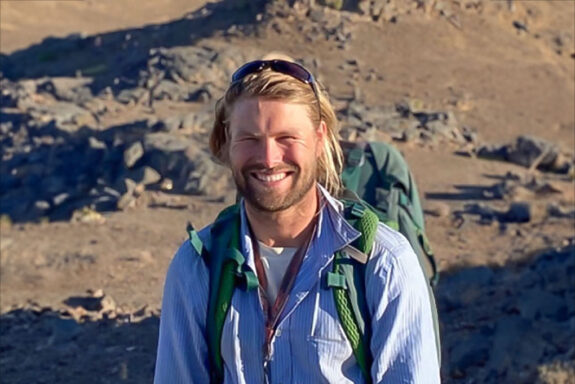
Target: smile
point(267, 178)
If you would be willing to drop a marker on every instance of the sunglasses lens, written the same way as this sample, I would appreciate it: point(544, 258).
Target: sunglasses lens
point(248, 68)
point(293, 70)
point(285, 67)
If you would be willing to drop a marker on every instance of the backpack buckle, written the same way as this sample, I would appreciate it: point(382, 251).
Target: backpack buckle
point(195, 239)
point(247, 280)
point(336, 280)
point(357, 210)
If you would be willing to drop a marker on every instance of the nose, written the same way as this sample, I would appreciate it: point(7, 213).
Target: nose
point(270, 153)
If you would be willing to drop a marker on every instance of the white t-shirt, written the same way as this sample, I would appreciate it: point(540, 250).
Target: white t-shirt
point(275, 261)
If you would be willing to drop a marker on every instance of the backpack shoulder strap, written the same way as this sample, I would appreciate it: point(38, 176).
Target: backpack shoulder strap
point(348, 282)
point(227, 269)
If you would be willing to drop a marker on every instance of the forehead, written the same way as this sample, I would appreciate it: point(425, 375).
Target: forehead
point(268, 115)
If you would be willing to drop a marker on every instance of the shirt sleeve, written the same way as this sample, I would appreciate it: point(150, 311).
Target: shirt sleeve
point(182, 355)
point(403, 338)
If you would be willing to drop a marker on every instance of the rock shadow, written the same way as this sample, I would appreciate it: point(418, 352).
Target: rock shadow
point(53, 172)
point(468, 192)
point(43, 346)
point(112, 57)
point(509, 324)
point(499, 325)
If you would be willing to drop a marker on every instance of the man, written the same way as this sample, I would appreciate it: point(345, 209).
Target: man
point(277, 132)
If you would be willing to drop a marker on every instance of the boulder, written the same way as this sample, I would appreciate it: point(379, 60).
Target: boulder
point(71, 89)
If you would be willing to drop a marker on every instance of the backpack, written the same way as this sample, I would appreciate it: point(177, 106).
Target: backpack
point(379, 187)
point(377, 175)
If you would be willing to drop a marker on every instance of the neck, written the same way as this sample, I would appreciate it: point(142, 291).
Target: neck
point(287, 228)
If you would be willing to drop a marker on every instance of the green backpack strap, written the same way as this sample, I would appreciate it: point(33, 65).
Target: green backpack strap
point(227, 270)
point(348, 283)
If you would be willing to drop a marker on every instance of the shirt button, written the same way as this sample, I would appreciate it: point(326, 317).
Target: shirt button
point(278, 332)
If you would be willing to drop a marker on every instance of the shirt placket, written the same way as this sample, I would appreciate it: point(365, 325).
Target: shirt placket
point(273, 312)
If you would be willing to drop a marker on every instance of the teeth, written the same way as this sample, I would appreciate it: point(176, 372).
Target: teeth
point(270, 178)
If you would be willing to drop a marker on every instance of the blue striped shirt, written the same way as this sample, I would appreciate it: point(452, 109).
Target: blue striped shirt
point(310, 345)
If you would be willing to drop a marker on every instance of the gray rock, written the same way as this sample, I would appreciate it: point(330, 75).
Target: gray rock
point(201, 95)
point(186, 163)
point(164, 142)
point(113, 192)
point(469, 134)
point(60, 198)
point(527, 149)
point(409, 133)
point(491, 152)
point(86, 302)
point(520, 26)
point(127, 188)
point(519, 212)
point(134, 95)
point(42, 205)
point(169, 124)
point(555, 210)
point(204, 176)
point(428, 137)
point(96, 144)
point(67, 116)
point(486, 213)
point(317, 15)
point(133, 154)
point(182, 67)
point(105, 202)
point(169, 90)
point(144, 175)
point(197, 122)
point(71, 89)
point(12, 92)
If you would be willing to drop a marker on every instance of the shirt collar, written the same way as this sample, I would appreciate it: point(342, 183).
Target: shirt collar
point(333, 230)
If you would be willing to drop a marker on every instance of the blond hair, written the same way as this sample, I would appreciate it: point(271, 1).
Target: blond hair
point(278, 86)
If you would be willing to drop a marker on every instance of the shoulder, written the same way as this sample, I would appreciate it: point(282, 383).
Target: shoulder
point(388, 239)
point(187, 264)
point(393, 257)
point(394, 274)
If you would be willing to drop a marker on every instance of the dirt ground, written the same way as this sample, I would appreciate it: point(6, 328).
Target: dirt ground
point(498, 79)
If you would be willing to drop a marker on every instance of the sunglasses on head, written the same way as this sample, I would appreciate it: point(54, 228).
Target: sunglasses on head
point(289, 68)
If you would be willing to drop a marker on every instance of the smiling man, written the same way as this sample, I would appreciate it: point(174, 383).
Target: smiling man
point(276, 319)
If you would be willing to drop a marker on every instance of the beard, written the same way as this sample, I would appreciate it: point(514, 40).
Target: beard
point(268, 199)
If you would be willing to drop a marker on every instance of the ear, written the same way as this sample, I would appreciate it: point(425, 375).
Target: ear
point(321, 134)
